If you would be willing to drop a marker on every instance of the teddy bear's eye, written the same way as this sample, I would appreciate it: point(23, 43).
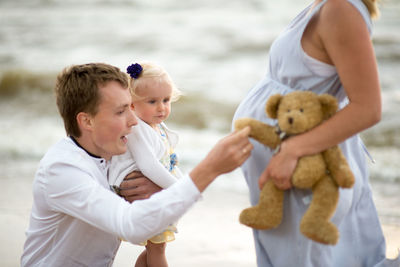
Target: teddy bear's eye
point(301, 110)
point(288, 110)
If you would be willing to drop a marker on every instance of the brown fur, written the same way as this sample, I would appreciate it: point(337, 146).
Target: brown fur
point(323, 173)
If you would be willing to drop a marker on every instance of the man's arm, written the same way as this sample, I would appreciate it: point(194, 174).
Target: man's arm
point(77, 194)
point(229, 153)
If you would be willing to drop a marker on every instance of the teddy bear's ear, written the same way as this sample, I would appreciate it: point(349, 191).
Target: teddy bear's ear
point(329, 105)
point(271, 108)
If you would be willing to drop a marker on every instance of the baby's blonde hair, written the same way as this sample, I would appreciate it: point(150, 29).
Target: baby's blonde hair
point(151, 70)
point(372, 6)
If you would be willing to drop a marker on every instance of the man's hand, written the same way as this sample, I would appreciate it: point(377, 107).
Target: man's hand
point(228, 154)
point(135, 186)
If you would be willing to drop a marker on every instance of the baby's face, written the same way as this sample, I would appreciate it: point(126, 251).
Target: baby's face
point(152, 102)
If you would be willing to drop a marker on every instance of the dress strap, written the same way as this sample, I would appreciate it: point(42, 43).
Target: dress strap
point(317, 8)
point(367, 153)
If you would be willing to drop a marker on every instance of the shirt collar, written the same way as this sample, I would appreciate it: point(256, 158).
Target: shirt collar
point(76, 143)
point(101, 162)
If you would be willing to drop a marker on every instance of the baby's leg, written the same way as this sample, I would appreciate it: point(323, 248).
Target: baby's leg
point(156, 254)
point(142, 259)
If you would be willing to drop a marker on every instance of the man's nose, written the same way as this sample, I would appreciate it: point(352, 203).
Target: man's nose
point(132, 118)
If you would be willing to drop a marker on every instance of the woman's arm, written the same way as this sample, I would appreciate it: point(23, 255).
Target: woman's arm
point(339, 37)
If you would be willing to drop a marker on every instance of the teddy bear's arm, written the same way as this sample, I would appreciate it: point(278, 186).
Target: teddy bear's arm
point(260, 131)
point(338, 167)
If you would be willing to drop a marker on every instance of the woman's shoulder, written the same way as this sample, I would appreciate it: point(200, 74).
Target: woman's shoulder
point(352, 10)
point(340, 16)
point(340, 8)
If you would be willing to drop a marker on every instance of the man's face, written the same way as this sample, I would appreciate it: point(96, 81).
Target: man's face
point(113, 121)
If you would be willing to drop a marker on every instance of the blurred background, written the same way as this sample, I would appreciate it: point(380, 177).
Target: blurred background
point(215, 50)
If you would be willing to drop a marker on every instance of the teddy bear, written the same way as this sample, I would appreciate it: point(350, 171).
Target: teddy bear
point(323, 173)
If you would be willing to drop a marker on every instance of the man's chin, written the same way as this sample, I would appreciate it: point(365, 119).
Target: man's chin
point(122, 149)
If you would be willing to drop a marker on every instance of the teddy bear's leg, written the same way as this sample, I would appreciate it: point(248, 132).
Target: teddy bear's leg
point(268, 212)
point(338, 167)
point(315, 223)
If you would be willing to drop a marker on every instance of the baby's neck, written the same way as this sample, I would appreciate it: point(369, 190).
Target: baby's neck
point(156, 127)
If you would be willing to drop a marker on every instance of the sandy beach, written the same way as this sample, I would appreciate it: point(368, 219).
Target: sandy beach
point(209, 234)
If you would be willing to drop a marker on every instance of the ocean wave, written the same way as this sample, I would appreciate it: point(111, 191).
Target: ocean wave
point(29, 125)
point(33, 93)
point(255, 5)
point(383, 136)
point(386, 164)
point(29, 92)
point(13, 82)
point(387, 48)
point(199, 112)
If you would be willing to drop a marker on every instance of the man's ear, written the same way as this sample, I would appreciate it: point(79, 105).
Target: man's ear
point(84, 121)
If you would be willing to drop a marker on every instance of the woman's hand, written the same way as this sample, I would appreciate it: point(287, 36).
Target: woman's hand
point(280, 168)
point(135, 186)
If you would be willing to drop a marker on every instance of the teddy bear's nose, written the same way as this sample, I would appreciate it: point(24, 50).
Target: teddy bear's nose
point(290, 120)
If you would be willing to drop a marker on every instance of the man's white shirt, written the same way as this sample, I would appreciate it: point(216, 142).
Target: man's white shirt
point(76, 219)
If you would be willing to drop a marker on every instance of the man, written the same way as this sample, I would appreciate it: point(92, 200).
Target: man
point(76, 219)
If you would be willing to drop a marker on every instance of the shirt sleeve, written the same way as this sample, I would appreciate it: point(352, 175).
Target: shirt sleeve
point(146, 149)
point(73, 191)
